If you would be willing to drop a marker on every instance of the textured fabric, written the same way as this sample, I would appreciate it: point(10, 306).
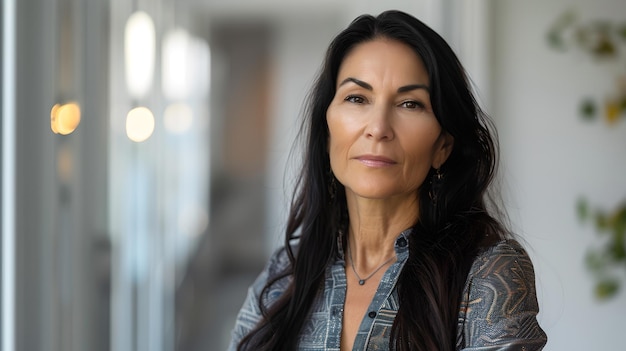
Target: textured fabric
point(498, 310)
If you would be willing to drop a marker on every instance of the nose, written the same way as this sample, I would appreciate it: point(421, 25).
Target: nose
point(379, 124)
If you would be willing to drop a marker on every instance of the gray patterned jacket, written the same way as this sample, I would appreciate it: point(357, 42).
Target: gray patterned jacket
point(498, 310)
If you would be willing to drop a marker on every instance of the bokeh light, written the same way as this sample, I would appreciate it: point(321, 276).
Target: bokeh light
point(176, 75)
point(178, 118)
point(139, 124)
point(64, 119)
point(139, 53)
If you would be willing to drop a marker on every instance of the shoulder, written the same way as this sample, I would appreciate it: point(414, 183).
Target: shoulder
point(504, 257)
point(275, 271)
point(500, 270)
point(499, 305)
point(271, 282)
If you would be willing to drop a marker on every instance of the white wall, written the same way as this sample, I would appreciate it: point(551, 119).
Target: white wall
point(551, 157)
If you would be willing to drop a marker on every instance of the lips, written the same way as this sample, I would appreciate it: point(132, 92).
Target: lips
point(375, 161)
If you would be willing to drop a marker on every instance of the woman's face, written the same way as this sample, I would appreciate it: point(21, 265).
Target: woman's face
point(384, 136)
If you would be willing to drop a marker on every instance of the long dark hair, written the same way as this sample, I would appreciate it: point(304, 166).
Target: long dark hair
point(449, 232)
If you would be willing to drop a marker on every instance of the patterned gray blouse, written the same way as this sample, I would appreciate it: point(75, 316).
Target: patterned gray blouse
point(498, 310)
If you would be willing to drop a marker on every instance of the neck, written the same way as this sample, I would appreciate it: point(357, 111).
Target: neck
point(374, 227)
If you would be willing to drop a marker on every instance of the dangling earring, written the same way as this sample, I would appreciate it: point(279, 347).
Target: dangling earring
point(435, 185)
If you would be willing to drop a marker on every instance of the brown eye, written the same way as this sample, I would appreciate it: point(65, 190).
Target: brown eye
point(355, 99)
point(410, 104)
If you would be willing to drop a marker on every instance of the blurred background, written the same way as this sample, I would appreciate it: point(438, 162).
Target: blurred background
point(147, 157)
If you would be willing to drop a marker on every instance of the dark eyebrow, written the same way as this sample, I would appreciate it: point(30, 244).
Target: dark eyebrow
point(357, 82)
point(403, 89)
point(406, 88)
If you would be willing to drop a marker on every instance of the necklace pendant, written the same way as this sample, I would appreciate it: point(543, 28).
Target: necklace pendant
point(361, 281)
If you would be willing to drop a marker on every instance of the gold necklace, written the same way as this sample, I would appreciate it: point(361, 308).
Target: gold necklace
point(363, 280)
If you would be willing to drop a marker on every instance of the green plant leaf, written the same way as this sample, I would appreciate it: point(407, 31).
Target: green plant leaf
point(606, 288)
point(602, 223)
point(596, 262)
point(588, 109)
point(555, 40)
point(555, 33)
point(616, 251)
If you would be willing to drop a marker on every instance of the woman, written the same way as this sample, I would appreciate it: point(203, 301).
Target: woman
point(390, 243)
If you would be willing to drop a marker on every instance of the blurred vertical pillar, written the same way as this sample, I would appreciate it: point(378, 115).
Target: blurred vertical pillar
point(142, 205)
point(35, 185)
point(60, 225)
point(7, 177)
point(475, 48)
point(466, 25)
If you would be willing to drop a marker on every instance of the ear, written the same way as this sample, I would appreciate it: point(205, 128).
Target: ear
point(443, 149)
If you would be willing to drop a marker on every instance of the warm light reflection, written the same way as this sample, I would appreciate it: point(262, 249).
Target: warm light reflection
point(139, 52)
point(64, 119)
point(177, 118)
point(139, 124)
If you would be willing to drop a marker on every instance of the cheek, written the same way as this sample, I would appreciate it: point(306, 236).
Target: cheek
point(337, 136)
point(420, 151)
point(336, 149)
point(339, 146)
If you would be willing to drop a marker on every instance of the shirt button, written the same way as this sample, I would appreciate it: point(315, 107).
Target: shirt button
point(402, 242)
point(372, 314)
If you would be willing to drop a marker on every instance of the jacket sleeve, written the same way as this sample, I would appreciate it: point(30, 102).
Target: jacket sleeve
point(500, 306)
point(250, 313)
